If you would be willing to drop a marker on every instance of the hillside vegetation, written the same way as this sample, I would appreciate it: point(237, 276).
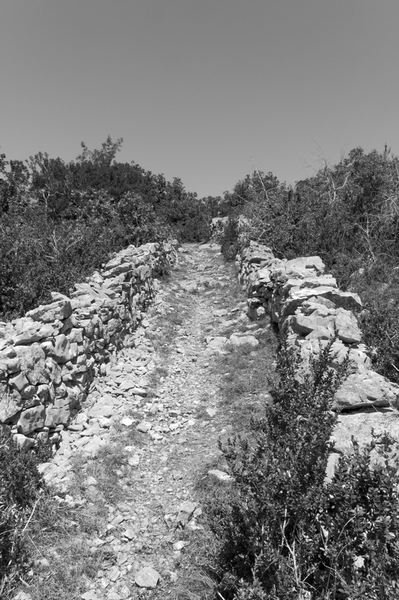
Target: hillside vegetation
point(349, 215)
point(280, 531)
point(59, 221)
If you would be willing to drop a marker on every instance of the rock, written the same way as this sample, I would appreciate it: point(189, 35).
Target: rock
point(11, 403)
point(101, 410)
point(91, 481)
point(365, 389)
point(304, 325)
point(23, 442)
point(220, 312)
point(31, 419)
point(52, 471)
point(127, 421)
point(58, 412)
point(309, 282)
point(90, 595)
point(144, 426)
point(216, 343)
point(127, 384)
point(19, 382)
point(180, 545)
point(147, 577)
point(188, 507)
point(93, 446)
point(138, 391)
point(347, 328)
point(49, 313)
point(237, 341)
point(211, 411)
point(22, 596)
point(220, 476)
point(304, 266)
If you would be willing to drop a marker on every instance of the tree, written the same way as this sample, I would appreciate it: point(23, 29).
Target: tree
point(103, 157)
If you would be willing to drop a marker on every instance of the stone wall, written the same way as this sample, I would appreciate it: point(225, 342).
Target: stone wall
point(300, 297)
point(49, 357)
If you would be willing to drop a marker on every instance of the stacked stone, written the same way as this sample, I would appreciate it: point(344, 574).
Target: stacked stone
point(49, 357)
point(306, 302)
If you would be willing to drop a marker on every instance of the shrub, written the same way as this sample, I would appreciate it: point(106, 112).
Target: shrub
point(283, 533)
point(361, 521)
point(229, 238)
point(268, 522)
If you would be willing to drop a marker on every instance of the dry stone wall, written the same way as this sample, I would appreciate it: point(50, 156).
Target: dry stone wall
point(302, 298)
point(49, 357)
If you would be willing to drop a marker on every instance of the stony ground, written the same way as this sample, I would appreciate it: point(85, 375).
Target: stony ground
point(149, 433)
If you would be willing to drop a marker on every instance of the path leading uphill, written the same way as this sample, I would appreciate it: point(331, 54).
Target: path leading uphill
point(150, 430)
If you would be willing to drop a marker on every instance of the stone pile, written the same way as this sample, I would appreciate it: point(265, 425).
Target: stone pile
point(49, 357)
point(307, 303)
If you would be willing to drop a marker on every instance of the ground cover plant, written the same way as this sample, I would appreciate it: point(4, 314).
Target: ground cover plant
point(283, 533)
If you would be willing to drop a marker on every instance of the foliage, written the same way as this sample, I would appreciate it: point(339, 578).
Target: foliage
point(20, 486)
point(349, 215)
point(60, 221)
point(283, 533)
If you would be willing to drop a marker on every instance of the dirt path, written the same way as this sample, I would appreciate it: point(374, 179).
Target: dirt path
point(151, 429)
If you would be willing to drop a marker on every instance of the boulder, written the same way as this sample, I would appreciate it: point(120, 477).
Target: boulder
point(304, 266)
point(303, 324)
point(298, 297)
point(364, 389)
point(63, 350)
point(31, 419)
point(48, 313)
point(58, 412)
point(147, 577)
point(347, 327)
point(11, 403)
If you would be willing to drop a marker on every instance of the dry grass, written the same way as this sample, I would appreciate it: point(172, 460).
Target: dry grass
point(58, 539)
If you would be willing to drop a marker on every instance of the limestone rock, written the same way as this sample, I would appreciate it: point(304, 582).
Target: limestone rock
point(58, 412)
point(147, 577)
point(48, 313)
point(11, 403)
point(304, 325)
point(304, 266)
point(31, 419)
point(63, 350)
point(366, 389)
point(23, 442)
point(347, 328)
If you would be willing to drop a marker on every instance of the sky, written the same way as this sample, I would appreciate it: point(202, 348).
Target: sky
point(203, 90)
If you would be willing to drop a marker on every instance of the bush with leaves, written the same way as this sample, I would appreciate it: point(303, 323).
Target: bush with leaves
point(59, 221)
point(349, 215)
point(283, 534)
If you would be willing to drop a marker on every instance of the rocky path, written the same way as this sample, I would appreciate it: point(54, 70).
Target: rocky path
point(151, 427)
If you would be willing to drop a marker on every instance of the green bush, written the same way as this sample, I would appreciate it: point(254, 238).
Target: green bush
point(348, 214)
point(283, 533)
point(60, 221)
point(229, 238)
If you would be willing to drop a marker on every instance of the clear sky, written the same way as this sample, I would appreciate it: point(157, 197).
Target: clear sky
point(204, 90)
